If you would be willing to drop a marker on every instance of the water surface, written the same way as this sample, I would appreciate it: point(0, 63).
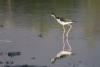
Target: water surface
point(27, 27)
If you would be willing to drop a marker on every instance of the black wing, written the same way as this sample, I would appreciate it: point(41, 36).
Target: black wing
point(65, 19)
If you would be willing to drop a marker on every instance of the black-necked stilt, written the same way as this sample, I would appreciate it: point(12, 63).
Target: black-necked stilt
point(64, 21)
point(61, 20)
point(61, 55)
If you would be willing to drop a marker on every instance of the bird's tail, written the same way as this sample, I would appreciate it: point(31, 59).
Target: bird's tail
point(75, 21)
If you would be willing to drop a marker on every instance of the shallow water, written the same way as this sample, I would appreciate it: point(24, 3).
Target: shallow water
point(27, 27)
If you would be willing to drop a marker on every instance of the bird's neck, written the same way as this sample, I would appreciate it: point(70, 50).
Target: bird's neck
point(56, 17)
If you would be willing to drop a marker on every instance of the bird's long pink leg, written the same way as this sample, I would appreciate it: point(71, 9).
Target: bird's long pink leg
point(63, 37)
point(70, 49)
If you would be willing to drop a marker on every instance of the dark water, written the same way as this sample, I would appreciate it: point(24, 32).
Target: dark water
point(27, 27)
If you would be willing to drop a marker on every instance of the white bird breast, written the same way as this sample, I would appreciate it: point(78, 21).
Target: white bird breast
point(63, 23)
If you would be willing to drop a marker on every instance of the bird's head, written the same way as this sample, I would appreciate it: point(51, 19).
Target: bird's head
point(53, 15)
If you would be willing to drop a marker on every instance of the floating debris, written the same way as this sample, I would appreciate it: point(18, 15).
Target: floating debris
point(40, 35)
point(33, 58)
point(12, 54)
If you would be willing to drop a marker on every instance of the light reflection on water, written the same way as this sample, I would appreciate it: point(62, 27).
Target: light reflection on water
point(31, 30)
